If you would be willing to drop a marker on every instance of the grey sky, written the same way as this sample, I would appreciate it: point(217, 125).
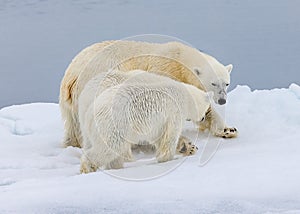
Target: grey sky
point(38, 39)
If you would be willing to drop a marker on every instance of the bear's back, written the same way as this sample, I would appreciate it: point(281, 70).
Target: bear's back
point(146, 94)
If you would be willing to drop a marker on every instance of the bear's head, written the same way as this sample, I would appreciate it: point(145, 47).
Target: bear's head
point(212, 75)
point(198, 103)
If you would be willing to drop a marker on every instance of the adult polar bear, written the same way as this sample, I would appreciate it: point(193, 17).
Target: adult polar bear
point(173, 59)
point(118, 109)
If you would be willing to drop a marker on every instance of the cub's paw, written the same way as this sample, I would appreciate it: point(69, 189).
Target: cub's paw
point(186, 147)
point(229, 133)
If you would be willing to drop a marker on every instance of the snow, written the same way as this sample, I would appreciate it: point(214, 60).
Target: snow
point(258, 172)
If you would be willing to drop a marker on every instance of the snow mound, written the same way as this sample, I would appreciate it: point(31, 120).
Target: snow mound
point(258, 172)
point(295, 89)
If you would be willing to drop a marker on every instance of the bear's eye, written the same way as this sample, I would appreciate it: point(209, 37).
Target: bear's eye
point(214, 84)
point(227, 84)
point(197, 71)
point(202, 119)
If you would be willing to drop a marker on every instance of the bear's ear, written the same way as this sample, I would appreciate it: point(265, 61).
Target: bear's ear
point(229, 68)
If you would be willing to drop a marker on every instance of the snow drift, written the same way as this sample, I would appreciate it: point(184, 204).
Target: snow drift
point(258, 172)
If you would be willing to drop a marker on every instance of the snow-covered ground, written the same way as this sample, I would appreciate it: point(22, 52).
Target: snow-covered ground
point(258, 172)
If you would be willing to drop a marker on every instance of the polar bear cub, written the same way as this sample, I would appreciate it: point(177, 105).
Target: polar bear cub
point(144, 107)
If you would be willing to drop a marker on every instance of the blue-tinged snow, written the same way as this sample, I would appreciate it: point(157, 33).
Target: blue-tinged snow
point(258, 172)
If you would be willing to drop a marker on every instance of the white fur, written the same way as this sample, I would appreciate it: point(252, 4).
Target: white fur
point(206, 68)
point(139, 107)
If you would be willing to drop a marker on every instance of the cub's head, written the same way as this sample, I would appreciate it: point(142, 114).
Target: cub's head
point(198, 103)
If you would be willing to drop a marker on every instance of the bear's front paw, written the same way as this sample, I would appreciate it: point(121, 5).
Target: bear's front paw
point(228, 133)
point(186, 147)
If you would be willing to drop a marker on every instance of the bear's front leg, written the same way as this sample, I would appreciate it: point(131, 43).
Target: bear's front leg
point(217, 126)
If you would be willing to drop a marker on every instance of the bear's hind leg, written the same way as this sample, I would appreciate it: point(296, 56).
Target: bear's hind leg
point(166, 145)
point(114, 159)
point(87, 163)
point(128, 156)
point(115, 164)
point(71, 128)
point(110, 155)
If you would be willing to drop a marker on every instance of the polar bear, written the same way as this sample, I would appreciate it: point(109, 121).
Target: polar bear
point(109, 79)
point(141, 107)
point(173, 59)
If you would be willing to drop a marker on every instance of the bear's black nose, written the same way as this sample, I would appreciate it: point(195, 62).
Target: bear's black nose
point(221, 101)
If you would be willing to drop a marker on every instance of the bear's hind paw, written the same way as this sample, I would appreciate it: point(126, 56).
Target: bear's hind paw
point(87, 168)
point(71, 142)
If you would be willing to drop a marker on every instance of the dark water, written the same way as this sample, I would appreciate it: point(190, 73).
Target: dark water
point(39, 38)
